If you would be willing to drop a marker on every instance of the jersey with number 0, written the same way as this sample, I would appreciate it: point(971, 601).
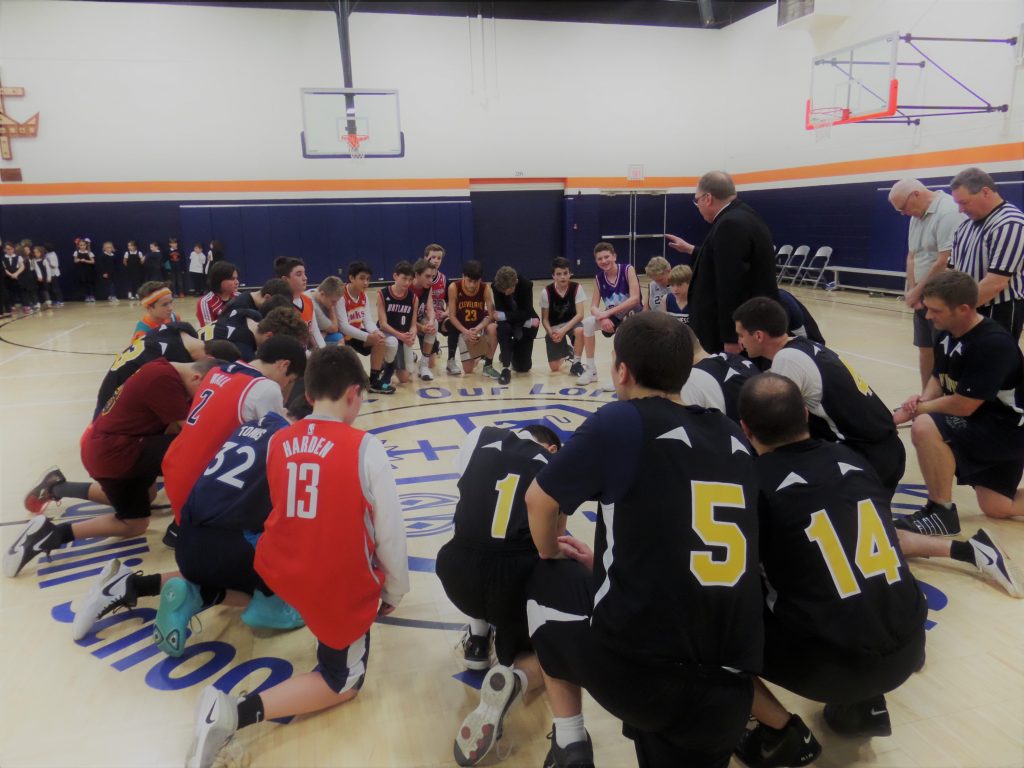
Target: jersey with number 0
point(491, 513)
point(398, 310)
point(317, 550)
point(216, 413)
point(676, 572)
point(833, 567)
point(164, 341)
point(232, 492)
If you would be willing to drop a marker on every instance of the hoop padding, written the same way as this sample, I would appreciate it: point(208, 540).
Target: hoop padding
point(846, 118)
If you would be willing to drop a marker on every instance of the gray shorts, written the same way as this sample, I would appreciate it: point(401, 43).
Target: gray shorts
point(925, 334)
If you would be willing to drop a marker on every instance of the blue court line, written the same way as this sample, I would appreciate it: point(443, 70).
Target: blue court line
point(426, 478)
point(66, 553)
point(90, 561)
point(478, 414)
point(421, 564)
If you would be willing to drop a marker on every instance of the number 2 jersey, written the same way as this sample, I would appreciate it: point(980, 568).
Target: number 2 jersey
point(499, 467)
point(334, 544)
point(676, 570)
point(829, 551)
point(228, 396)
point(232, 493)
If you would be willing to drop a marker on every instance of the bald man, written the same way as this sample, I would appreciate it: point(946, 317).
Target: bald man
point(933, 220)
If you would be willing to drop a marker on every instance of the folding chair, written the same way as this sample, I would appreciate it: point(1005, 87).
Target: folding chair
point(795, 264)
point(785, 253)
point(814, 272)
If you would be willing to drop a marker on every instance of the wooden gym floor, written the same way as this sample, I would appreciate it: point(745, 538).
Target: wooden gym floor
point(113, 700)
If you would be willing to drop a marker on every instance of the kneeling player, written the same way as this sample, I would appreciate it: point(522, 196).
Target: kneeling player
point(484, 570)
point(844, 617)
point(333, 547)
point(122, 450)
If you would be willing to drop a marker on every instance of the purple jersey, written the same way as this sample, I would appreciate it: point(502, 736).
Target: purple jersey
point(615, 293)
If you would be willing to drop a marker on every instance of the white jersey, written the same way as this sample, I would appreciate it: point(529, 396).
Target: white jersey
point(657, 295)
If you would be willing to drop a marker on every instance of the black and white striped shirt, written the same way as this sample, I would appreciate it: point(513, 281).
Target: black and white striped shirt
point(993, 244)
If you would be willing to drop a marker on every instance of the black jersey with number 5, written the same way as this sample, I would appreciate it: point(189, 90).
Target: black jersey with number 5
point(491, 513)
point(676, 573)
point(829, 551)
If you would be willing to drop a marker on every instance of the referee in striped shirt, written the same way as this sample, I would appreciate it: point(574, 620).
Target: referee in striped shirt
point(989, 246)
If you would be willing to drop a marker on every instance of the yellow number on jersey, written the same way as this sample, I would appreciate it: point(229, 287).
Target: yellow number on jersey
point(129, 354)
point(874, 554)
point(470, 315)
point(506, 488)
point(206, 332)
point(707, 497)
point(862, 386)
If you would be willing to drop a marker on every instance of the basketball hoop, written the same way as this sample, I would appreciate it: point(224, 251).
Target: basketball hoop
point(822, 119)
point(355, 141)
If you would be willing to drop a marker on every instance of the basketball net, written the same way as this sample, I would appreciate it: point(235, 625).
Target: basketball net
point(355, 145)
point(823, 119)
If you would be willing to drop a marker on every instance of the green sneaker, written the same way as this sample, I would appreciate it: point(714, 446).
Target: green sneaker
point(179, 602)
point(271, 613)
point(489, 370)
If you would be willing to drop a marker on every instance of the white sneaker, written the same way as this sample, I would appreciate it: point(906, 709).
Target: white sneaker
point(607, 386)
point(107, 593)
point(453, 367)
point(483, 726)
point(995, 565)
point(425, 373)
point(589, 376)
point(215, 724)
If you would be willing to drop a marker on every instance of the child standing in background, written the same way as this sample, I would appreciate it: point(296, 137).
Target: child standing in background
point(42, 278)
point(105, 271)
point(27, 279)
point(53, 274)
point(177, 268)
point(85, 269)
point(133, 261)
point(153, 265)
point(13, 267)
point(197, 269)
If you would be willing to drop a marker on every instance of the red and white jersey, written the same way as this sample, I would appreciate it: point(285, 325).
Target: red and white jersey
point(228, 396)
point(355, 311)
point(439, 292)
point(334, 543)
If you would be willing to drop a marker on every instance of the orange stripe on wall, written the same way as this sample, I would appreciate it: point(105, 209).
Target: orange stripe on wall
point(993, 153)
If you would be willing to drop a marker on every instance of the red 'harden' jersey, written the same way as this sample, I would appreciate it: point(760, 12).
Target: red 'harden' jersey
point(216, 413)
point(317, 548)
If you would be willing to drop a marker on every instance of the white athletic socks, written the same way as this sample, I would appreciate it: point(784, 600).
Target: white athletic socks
point(569, 730)
point(479, 627)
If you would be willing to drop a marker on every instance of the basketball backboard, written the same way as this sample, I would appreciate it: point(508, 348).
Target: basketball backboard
point(351, 122)
point(854, 84)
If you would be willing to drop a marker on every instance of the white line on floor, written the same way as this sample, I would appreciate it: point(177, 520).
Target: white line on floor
point(45, 341)
point(875, 359)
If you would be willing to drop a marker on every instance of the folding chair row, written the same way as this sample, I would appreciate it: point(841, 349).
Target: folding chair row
point(799, 267)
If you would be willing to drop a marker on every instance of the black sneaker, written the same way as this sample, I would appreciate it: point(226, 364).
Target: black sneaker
point(476, 650)
point(36, 538)
point(795, 746)
point(42, 492)
point(381, 388)
point(931, 520)
point(579, 754)
point(577, 368)
point(171, 536)
point(505, 377)
point(865, 718)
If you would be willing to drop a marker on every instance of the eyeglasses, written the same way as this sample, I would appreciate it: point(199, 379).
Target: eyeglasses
point(903, 208)
point(698, 198)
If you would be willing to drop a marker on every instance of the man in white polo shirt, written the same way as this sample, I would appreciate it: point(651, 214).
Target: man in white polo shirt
point(933, 220)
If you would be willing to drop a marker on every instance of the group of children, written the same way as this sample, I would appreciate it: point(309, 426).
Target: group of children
point(30, 279)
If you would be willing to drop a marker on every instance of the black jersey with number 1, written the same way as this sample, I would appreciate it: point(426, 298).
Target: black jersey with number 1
point(829, 550)
point(491, 513)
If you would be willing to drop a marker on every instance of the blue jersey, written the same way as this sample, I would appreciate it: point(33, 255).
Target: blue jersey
point(232, 492)
point(672, 308)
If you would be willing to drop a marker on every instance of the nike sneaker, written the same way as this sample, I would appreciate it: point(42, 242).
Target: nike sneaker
point(995, 565)
point(113, 589)
point(482, 727)
point(179, 602)
point(270, 613)
point(793, 746)
point(579, 754)
point(215, 724)
point(36, 538)
point(42, 492)
point(476, 650)
point(865, 718)
point(931, 520)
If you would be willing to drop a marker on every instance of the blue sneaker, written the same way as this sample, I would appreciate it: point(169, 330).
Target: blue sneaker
point(179, 602)
point(271, 613)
